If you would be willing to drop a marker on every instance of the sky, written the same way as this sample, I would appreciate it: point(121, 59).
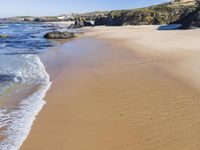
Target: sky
point(9, 8)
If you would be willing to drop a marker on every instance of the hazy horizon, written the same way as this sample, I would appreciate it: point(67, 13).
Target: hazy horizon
point(11, 8)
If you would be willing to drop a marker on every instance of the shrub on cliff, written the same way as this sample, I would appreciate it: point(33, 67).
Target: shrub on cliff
point(160, 14)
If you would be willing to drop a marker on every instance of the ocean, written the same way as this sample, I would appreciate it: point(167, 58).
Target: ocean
point(23, 80)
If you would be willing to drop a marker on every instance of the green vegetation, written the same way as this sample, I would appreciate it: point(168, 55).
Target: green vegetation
point(159, 14)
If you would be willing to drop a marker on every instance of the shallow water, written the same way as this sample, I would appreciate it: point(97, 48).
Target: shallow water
point(23, 80)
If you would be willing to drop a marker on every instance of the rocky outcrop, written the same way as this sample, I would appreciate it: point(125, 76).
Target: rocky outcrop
point(59, 35)
point(101, 20)
point(191, 21)
point(5, 36)
point(81, 22)
point(160, 14)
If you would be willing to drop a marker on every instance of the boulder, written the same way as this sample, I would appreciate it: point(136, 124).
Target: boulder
point(59, 35)
point(5, 36)
point(81, 22)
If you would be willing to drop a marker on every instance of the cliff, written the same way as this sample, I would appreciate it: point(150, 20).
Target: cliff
point(160, 14)
point(192, 20)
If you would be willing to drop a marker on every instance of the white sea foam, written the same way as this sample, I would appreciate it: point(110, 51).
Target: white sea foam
point(3, 26)
point(3, 45)
point(18, 120)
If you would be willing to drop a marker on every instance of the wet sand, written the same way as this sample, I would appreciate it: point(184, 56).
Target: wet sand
point(121, 88)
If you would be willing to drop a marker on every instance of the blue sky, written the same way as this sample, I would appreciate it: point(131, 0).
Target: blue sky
point(55, 7)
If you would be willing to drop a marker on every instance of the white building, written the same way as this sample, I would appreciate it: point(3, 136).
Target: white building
point(64, 17)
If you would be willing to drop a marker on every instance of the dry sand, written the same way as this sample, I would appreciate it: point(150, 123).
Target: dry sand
point(122, 88)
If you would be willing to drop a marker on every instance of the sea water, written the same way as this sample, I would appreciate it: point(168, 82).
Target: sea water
point(23, 80)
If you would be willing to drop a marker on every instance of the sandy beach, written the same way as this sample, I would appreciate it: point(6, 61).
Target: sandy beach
point(122, 88)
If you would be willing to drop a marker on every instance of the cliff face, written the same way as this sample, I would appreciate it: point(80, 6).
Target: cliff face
point(192, 20)
point(159, 14)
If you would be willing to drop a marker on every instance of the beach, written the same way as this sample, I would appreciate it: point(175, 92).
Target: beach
point(117, 88)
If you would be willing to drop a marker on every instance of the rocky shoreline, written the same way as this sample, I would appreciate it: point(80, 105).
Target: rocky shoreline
point(185, 12)
point(182, 12)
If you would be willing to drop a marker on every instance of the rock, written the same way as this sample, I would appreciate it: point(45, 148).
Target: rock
point(191, 21)
point(81, 22)
point(5, 36)
point(101, 20)
point(87, 23)
point(59, 35)
point(71, 26)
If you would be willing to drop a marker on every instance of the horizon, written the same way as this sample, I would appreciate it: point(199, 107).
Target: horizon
point(37, 8)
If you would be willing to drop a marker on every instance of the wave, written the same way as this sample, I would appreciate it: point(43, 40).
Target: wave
point(16, 122)
point(23, 80)
point(3, 45)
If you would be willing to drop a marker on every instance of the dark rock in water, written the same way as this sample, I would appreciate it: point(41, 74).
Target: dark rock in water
point(81, 22)
point(71, 26)
point(59, 35)
point(5, 36)
point(9, 77)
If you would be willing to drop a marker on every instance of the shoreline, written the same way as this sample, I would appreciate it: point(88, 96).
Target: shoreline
point(20, 114)
point(111, 91)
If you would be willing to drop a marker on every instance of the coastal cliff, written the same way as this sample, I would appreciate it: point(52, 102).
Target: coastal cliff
point(192, 20)
point(184, 12)
point(154, 15)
